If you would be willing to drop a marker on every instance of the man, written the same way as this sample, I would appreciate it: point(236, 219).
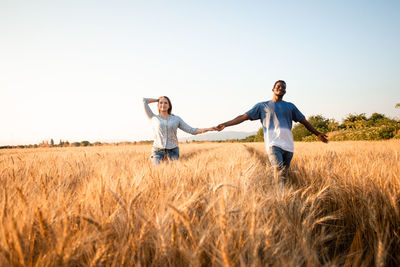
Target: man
point(276, 117)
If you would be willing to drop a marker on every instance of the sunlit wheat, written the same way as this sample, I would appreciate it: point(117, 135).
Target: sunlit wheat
point(217, 206)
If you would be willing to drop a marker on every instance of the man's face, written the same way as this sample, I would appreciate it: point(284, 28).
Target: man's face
point(279, 89)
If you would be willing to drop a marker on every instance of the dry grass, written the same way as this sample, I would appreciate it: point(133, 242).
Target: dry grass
point(107, 206)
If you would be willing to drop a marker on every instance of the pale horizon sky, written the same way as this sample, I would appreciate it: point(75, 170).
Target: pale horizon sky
point(78, 70)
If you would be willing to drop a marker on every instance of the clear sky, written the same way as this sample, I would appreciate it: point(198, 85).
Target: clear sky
point(78, 70)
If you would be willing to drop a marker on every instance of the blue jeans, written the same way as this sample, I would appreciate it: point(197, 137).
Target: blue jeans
point(280, 160)
point(161, 154)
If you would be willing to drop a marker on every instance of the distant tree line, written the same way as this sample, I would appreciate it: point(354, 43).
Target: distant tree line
point(353, 127)
point(258, 137)
point(50, 143)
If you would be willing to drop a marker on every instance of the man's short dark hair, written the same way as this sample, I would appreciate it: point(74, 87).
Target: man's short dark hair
point(280, 81)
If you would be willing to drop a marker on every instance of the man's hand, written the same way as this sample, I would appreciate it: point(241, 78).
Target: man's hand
point(323, 137)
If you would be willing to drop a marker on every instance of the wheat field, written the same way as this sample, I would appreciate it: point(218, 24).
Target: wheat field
point(216, 206)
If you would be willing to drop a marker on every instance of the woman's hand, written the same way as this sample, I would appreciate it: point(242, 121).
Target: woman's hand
point(204, 130)
point(151, 100)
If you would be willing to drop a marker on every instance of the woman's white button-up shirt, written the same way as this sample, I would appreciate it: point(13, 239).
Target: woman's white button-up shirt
point(165, 130)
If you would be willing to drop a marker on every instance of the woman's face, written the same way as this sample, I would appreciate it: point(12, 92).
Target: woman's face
point(163, 105)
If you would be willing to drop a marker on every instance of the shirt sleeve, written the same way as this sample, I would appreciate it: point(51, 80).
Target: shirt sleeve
point(147, 109)
point(185, 127)
point(255, 112)
point(296, 114)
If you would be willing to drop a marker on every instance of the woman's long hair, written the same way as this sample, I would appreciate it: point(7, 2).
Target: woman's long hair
point(169, 102)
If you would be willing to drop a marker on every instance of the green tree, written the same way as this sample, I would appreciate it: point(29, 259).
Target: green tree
point(249, 138)
point(355, 121)
point(378, 119)
point(333, 125)
point(299, 132)
point(319, 122)
point(51, 142)
point(85, 143)
point(259, 136)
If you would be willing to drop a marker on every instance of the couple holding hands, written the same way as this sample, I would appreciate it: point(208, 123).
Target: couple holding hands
point(276, 117)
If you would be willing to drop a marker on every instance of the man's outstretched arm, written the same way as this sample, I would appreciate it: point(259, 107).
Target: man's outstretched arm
point(309, 127)
point(237, 120)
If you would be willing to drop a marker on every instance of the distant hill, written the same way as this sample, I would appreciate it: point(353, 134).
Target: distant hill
point(217, 136)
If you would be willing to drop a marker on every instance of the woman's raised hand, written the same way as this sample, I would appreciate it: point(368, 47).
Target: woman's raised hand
point(152, 100)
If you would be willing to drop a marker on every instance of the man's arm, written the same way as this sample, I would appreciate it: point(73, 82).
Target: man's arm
point(237, 120)
point(309, 127)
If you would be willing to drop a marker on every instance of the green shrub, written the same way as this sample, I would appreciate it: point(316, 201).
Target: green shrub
point(85, 143)
point(372, 133)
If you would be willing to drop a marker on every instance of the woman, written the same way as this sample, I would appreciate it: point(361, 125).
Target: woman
point(165, 126)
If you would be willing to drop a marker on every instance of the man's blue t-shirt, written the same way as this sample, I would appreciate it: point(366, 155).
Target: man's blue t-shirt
point(276, 119)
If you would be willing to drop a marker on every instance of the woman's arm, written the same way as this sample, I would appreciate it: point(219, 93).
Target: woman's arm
point(204, 130)
point(147, 109)
point(186, 128)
